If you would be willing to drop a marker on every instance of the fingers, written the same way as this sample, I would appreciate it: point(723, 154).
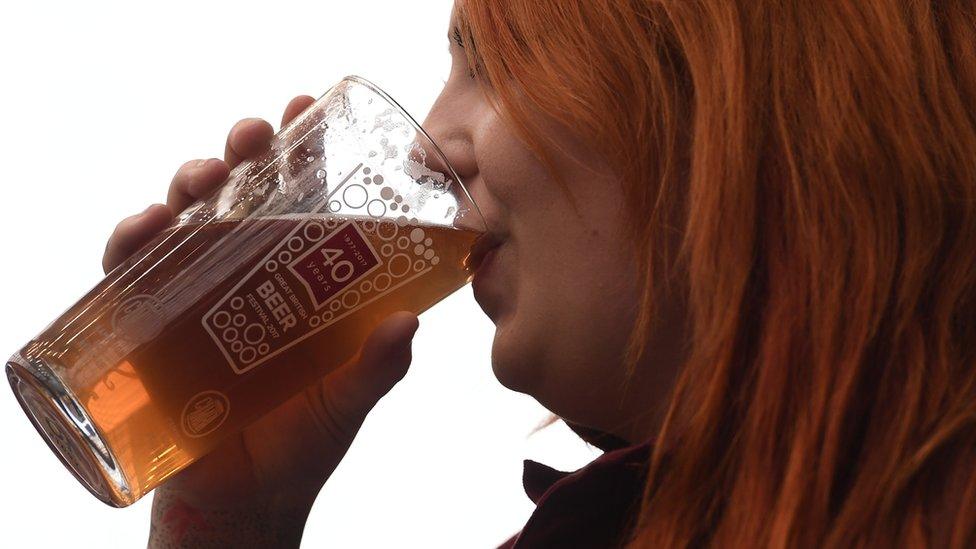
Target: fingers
point(351, 391)
point(295, 107)
point(195, 180)
point(133, 232)
point(247, 139)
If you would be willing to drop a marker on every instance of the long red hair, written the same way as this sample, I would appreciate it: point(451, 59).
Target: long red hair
point(819, 162)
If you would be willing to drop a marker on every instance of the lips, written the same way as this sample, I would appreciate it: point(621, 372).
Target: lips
point(481, 248)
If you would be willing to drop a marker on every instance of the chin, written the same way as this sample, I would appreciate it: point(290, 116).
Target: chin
point(514, 362)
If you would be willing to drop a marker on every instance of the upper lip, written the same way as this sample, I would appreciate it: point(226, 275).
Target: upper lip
point(484, 244)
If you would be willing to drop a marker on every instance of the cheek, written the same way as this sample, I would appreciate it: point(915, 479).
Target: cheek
point(511, 173)
point(567, 272)
point(564, 339)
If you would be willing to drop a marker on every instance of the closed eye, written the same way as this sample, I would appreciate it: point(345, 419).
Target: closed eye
point(456, 36)
point(457, 39)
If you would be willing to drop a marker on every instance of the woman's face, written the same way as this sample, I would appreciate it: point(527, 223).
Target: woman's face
point(561, 286)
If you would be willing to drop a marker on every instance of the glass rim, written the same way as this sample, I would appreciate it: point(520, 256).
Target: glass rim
point(413, 122)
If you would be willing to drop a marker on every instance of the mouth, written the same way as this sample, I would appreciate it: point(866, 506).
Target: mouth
point(483, 246)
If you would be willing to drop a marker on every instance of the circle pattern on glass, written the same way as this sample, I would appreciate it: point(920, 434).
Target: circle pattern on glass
point(399, 265)
point(248, 355)
point(138, 318)
point(355, 196)
point(406, 253)
point(314, 232)
point(254, 333)
point(376, 208)
point(221, 319)
point(387, 230)
point(382, 282)
point(350, 299)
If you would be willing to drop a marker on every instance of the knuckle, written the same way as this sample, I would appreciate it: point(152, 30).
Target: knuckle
point(188, 164)
point(244, 122)
point(119, 229)
point(187, 167)
point(108, 255)
point(327, 418)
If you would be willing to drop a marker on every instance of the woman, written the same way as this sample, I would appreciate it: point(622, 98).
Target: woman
point(735, 246)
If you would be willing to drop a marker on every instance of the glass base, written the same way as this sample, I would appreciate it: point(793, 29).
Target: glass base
point(68, 430)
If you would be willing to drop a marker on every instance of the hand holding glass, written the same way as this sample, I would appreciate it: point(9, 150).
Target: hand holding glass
point(251, 295)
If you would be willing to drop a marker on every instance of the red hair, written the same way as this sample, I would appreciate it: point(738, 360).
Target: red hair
point(819, 165)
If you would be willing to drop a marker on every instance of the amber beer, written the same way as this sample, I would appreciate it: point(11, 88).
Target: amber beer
point(239, 316)
point(254, 293)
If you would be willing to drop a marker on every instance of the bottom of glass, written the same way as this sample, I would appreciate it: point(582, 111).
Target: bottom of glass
point(68, 430)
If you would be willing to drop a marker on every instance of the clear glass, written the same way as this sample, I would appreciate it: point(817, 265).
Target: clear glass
point(353, 213)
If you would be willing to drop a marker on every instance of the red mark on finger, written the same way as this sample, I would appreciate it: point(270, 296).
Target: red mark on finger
point(181, 517)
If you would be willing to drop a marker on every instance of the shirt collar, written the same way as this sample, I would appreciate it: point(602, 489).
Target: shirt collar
point(538, 478)
point(589, 507)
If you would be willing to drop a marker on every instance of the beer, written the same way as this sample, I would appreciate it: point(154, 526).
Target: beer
point(256, 291)
point(212, 325)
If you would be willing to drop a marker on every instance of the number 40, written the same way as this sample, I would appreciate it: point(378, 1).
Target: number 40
point(344, 266)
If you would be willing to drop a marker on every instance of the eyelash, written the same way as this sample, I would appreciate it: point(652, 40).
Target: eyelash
point(460, 43)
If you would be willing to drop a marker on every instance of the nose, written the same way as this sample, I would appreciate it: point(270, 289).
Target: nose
point(450, 127)
point(451, 124)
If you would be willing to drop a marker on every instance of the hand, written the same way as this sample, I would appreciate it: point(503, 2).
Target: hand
point(276, 466)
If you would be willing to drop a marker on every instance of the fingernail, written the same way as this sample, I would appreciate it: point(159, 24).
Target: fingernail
point(201, 163)
point(408, 341)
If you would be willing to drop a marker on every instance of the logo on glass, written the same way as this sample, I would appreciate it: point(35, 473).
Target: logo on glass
point(330, 267)
point(204, 413)
point(280, 302)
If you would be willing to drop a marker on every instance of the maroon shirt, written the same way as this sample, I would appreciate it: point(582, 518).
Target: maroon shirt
point(589, 507)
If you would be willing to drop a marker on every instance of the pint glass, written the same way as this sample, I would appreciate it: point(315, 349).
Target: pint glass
point(251, 295)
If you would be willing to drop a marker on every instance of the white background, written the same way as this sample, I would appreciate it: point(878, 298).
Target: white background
point(100, 103)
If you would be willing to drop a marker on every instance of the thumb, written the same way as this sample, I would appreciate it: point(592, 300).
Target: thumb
point(353, 389)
